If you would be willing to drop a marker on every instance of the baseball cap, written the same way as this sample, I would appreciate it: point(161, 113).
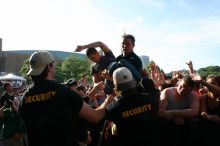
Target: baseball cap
point(123, 79)
point(38, 61)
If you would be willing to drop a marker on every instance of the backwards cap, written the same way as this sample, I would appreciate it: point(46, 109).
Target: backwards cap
point(38, 61)
point(123, 79)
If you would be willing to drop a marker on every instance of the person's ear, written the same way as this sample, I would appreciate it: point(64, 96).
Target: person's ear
point(50, 67)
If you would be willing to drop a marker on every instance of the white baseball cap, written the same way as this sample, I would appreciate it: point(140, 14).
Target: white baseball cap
point(123, 79)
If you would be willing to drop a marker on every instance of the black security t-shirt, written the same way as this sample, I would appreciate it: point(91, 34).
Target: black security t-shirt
point(136, 119)
point(47, 111)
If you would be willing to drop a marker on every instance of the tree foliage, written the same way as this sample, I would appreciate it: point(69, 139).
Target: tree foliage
point(210, 70)
point(24, 70)
point(59, 73)
point(74, 67)
point(71, 67)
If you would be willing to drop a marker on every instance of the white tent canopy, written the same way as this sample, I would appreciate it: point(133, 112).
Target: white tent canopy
point(12, 77)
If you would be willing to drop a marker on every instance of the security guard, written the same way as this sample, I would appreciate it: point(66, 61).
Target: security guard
point(134, 113)
point(47, 108)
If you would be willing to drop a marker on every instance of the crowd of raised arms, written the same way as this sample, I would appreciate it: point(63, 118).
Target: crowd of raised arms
point(123, 106)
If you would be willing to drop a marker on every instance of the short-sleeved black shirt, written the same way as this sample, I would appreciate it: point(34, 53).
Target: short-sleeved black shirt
point(132, 58)
point(103, 63)
point(47, 111)
point(136, 119)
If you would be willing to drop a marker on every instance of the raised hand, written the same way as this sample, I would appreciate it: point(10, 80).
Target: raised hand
point(190, 64)
point(196, 77)
point(79, 48)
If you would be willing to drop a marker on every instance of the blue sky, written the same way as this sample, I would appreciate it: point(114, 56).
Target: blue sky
point(170, 32)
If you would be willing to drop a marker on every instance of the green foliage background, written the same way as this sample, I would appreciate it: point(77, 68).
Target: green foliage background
point(71, 67)
point(210, 70)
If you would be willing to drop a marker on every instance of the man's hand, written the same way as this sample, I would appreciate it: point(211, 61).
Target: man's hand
point(190, 65)
point(79, 49)
point(196, 77)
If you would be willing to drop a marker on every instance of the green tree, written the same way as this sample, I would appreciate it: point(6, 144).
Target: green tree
point(24, 70)
point(71, 67)
point(74, 67)
point(210, 70)
point(59, 73)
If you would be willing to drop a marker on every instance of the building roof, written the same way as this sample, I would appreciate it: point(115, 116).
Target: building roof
point(57, 54)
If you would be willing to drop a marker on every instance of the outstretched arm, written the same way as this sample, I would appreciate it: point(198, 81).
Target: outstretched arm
point(99, 44)
point(94, 115)
point(213, 88)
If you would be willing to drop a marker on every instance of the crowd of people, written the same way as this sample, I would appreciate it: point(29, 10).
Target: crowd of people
point(123, 106)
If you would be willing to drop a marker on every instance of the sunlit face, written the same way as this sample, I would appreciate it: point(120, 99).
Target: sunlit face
point(94, 57)
point(183, 88)
point(127, 47)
